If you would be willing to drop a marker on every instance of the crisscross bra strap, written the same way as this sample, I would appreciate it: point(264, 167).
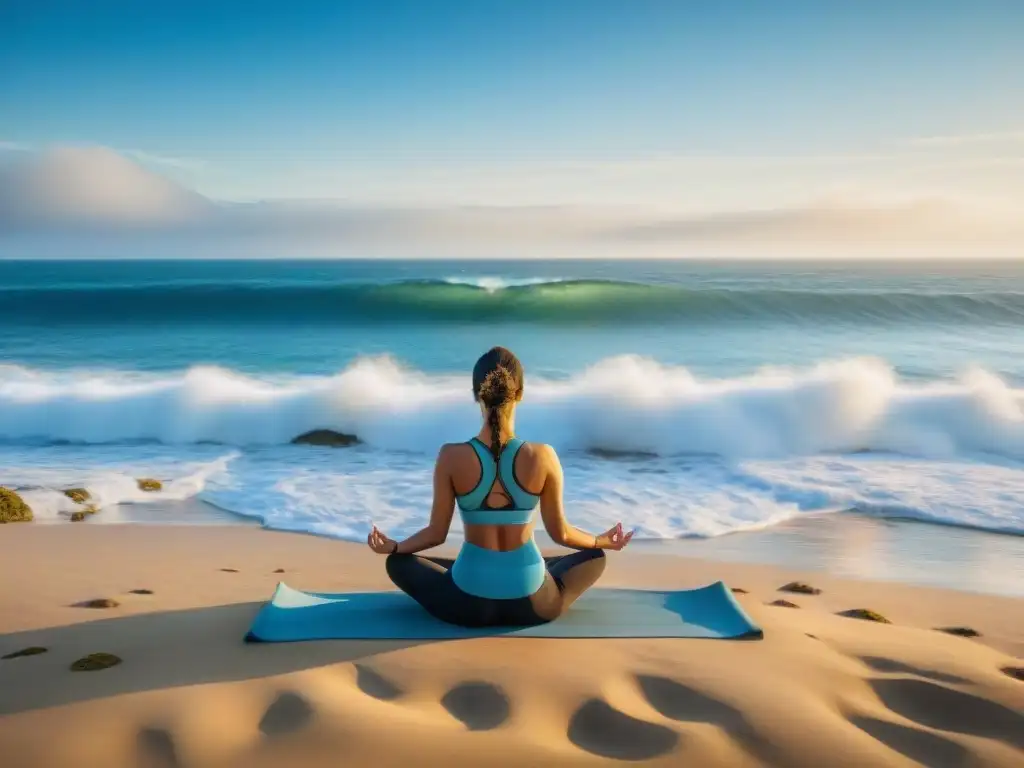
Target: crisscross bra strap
point(471, 505)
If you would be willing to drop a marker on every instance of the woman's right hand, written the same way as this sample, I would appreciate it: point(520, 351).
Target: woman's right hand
point(614, 538)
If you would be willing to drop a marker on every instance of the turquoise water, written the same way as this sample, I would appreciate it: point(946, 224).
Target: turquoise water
point(316, 317)
point(742, 394)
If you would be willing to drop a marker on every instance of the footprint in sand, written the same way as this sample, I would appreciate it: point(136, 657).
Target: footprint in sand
point(156, 749)
point(881, 664)
point(600, 729)
point(946, 709)
point(477, 705)
point(921, 746)
point(288, 713)
point(1017, 673)
point(679, 702)
point(372, 683)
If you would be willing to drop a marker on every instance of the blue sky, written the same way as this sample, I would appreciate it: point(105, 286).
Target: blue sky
point(507, 101)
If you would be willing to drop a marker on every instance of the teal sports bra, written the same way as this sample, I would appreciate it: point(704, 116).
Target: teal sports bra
point(522, 505)
point(488, 573)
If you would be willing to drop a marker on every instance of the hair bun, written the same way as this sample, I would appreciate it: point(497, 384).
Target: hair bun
point(498, 387)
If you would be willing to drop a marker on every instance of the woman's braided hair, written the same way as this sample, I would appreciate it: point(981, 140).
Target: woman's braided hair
point(497, 383)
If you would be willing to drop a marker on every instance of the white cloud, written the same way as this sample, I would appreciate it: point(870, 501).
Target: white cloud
point(840, 220)
point(691, 183)
point(143, 156)
point(81, 201)
point(94, 185)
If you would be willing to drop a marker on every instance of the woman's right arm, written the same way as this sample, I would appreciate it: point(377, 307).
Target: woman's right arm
point(553, 514)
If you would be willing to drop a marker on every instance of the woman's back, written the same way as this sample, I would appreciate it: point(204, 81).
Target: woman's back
point(489, 491)
point(496, 480)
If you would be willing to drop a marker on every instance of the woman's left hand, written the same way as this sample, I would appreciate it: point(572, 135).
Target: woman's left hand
point(380, 543)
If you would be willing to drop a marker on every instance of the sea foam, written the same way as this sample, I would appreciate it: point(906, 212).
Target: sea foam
point(626, 404)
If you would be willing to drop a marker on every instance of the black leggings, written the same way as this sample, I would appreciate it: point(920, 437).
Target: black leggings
point(428, 581)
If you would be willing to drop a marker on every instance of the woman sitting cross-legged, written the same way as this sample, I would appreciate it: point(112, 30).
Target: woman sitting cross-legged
point(500, 577)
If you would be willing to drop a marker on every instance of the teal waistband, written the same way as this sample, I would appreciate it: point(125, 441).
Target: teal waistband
point(499, 575)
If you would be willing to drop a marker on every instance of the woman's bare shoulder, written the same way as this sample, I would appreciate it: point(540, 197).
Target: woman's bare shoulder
point(540, 452)
point(450, 450)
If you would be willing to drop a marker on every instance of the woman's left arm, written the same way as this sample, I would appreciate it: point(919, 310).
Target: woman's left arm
point(441, 512)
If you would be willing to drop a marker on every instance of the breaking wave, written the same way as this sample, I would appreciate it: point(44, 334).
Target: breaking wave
point(460, 300)
point(627, 404)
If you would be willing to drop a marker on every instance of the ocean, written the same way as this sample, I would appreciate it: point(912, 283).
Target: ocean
point(688, 399)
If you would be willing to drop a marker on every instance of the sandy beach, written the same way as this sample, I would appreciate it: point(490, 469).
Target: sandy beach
point(290, 290)
point(819, 690)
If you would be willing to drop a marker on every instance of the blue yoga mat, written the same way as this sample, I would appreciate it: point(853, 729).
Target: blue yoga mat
point(708, 612)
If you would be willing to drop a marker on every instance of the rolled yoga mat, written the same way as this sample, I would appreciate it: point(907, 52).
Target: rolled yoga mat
point(707, 612)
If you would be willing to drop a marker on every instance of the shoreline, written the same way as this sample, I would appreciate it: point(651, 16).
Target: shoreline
point(819, 689)
point(845, 544)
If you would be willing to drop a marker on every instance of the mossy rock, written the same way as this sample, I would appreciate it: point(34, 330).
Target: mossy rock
point(35, 650)
point(80, 514)
point(783, 604)
point(77, 495)
point(326, 437)
point(149, 484)
point(1017, 673)
point(799, 588)
point(99, 602)
point(959, 631)
point(865, 614)
point(95, 661)
point(12, 508)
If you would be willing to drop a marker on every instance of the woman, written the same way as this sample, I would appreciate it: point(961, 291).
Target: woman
point(500, 577)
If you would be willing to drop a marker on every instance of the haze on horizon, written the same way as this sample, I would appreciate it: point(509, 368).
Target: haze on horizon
point(444, 129)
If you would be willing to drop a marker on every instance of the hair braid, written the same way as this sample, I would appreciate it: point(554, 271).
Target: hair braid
point(494, 422)
point(497, 386)
point(496, 392)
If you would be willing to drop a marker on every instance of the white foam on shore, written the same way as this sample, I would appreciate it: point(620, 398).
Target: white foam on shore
point(111, 478)
point(320, 492)
point(338, 493)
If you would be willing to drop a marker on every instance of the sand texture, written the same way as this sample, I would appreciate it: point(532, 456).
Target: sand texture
point(178, 687)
